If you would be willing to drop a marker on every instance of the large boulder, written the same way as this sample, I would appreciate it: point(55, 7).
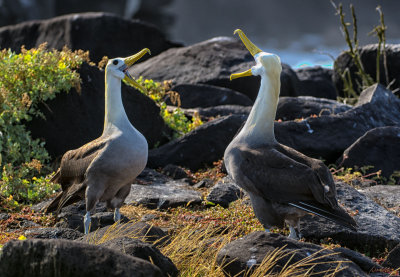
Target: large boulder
point(387, 196)
point(200, 147)
point(291, 108)
point(101, 33)
point(379, 148)
point(53, 233)
point(210, 62)
point(316, 81)
point(393, 259)
point(73, 119)
point(284, 254)
point(197, 95)
point(368, 59)
point(44, 258)
point(139, 249)
point(377, 230)
point(327, 137)
point(163, 195)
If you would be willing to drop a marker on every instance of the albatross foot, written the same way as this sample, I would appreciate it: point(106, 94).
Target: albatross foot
point(86, 222)
point(293, 233)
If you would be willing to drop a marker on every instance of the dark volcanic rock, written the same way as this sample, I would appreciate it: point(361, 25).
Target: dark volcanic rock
point(368, 59)
point(224, 192)
point(393, 259)
point(139, 230)
point(250, 250)
point(379, 147)
point(197, 95)
point(316, 81)
point(69, 258)
point(101, 33)
point(174, 171)
point(223, 110)
point(53, 233)
point(163, 195)
point(362, 261)
point(200, 147)
point(328, 136)
point(385, 195)
point(290, 108)
point(378, 229)
point(137, 248)
point(72, 217)
point(74, 119)
point(210, 62)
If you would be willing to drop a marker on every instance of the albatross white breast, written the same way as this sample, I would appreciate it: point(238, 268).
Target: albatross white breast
point(283, 184)
point(104, 169)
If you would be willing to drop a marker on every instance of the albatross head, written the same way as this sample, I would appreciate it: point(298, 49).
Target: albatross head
point(267, 64)
point(118, 67)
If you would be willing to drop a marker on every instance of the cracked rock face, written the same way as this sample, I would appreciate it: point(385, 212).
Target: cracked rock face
point(378, 229)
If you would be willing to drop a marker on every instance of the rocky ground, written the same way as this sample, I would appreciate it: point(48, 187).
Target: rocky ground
point(184, 216)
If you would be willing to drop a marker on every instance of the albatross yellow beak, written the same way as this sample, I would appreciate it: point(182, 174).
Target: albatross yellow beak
point(129, 61)
point(252, 49)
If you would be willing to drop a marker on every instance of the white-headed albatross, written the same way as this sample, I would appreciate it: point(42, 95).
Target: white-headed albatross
point(104, 169)
point(283, 184)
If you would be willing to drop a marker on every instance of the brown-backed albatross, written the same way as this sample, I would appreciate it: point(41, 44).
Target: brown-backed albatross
point(104, 169)
point(283, 184)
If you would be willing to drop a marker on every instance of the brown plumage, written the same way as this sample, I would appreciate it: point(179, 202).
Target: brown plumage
point(283, 184)
point(104, 169)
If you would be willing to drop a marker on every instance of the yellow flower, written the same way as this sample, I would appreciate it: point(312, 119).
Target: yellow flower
point(22, 237)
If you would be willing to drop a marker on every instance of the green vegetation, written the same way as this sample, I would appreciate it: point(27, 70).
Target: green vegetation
point(28, 79)
point(176, 118)
point(350, 92)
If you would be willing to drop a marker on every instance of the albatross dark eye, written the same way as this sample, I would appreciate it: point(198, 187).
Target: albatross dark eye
point(115, 62)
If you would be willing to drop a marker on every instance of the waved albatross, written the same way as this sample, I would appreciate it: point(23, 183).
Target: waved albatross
point(104, 169)
point(283, 184)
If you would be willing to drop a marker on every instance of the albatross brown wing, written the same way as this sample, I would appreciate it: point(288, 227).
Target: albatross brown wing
point(71, 173)
point(277, 177)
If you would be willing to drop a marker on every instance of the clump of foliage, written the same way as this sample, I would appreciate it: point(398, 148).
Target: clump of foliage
point(28, 79)
point(353, 44)
point(174, 118)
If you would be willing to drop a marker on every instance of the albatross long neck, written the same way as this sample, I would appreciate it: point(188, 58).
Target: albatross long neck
point(259, 127)
point(115, 115)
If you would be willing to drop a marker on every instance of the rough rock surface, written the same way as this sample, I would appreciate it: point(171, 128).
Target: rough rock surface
point(378, 229)
point(163, 195)
point(75, 31)
point(58, 257)
point(368, 58)
point(224, 192)
point(217, 111)
point(137, 248)
point(210, 62)
point(387, 196)
point(139, 230)
point(290, 108)
point(377, 107)
point(174, 171)
point(316, 81)
point(53, 233)
point(200, 147)
point(379, 147)
point(250, 250)
point(198, 95)
point(73, 119)
point(393, 259)
point(72, 217)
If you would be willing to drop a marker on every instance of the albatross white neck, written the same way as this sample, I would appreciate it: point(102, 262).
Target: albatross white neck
point(115, 115)
point(259, 127)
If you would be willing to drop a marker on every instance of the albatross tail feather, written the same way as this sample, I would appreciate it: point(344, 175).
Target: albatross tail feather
point(336, 215)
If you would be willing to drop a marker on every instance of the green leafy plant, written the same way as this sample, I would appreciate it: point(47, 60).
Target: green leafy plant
point(174, 118)
point(27, 79)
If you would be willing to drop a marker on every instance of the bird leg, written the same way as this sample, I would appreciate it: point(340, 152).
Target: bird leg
point(117, 215)
point(293, 233)
point(86, 222)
